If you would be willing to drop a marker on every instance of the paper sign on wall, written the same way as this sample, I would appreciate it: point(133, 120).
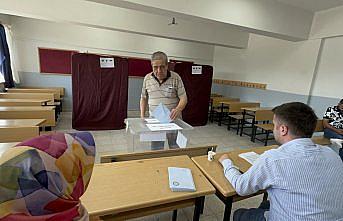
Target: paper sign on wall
point(106, 62)
point(196, 69)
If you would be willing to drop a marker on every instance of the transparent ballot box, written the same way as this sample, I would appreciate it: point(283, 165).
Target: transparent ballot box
point(159, 136)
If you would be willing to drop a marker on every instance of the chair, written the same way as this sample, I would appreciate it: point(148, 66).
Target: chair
point(236, 110)
point(215, 106)
point(321, 140)
point(264, 116)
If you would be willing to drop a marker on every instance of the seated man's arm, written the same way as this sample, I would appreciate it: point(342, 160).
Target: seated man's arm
point(259, 177)
point(329, 126)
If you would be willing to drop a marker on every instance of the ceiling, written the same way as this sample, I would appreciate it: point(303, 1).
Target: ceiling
point(313, 5)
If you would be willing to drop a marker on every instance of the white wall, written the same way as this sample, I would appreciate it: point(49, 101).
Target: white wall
point(327, 23)
point(273, 18)
point(284, 66)
point(102, 16)
point(329, 79)
point(30, 34)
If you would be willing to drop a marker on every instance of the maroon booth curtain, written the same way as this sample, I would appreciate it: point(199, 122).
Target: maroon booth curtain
point(198, 89)
point(139, 67)
point(99, 94)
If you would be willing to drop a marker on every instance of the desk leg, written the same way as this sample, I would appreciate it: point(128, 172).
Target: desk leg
point(228, 207)
point(174, 215)
point(221, 115)
point(197, 208)
point(202, 206)
point(254, 130)
point(211, 111)
point(242, 123)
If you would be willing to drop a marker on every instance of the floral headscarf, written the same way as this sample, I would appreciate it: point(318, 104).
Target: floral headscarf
point(44, 177)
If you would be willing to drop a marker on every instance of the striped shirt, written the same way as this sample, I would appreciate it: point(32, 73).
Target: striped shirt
point(304, 181)
point(167, 93)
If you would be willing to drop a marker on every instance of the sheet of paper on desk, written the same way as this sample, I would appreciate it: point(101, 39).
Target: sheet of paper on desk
point(159, 127)
point(151, 120)
point(153, 136)
point(181, 140)
point(162, 113)
point(251, 157)
point(181, 179)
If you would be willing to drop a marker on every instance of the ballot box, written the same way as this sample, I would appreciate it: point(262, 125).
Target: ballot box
point(149, 134)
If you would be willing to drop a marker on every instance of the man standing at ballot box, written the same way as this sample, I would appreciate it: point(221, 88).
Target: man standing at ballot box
point(304, 181)
point(166, 87)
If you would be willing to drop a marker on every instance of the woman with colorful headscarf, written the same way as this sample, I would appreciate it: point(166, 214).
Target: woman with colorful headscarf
point(43, 178)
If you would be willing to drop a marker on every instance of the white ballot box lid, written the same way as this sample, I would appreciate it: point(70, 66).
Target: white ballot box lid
point(137, 126)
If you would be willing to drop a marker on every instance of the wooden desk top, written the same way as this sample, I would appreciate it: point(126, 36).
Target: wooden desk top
point(230, 102)
point(5, 146)
point(125, 186)
point(23, 100)
point(25, 93)
point(31, 89)
point(56, 92)
point(61, 89)
point(27, 108)
point(254, 109)
point(21, 122)
point(224, 98)
point(213, 170)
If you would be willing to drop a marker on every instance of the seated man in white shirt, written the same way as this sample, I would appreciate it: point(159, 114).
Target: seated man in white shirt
point(333, 125)
point(304, 181)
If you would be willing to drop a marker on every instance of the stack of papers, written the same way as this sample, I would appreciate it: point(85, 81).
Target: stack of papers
point(251, 157)
point(151, 121)
point(160, 127)
point(181, 179)
point(162, 113)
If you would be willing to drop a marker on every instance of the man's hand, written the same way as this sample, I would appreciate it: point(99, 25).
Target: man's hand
point(175, 113)
point(223, 157)
point(340, 131)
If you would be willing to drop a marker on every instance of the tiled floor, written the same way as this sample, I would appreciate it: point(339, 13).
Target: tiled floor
point(115, 141)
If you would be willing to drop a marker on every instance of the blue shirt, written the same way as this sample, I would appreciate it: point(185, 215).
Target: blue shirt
point(304, 181)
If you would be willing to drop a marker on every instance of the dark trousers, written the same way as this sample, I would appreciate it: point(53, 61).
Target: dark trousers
point(254, 214)
point(328, 133)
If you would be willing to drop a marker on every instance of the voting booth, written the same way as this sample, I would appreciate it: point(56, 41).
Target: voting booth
point(197, 80)
point(143, 134)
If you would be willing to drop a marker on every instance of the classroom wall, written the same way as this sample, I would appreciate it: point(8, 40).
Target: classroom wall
point(91, 14)
point(286, 67)
point(308, 71)
point(273, 18)
point(327, 23)
point(283, 65)
point(327, 87)
point(29, 34)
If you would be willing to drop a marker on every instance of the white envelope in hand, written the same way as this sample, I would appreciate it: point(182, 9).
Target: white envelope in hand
point(162, 113)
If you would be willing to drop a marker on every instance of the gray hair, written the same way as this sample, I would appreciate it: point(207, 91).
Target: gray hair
point(159, 55)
